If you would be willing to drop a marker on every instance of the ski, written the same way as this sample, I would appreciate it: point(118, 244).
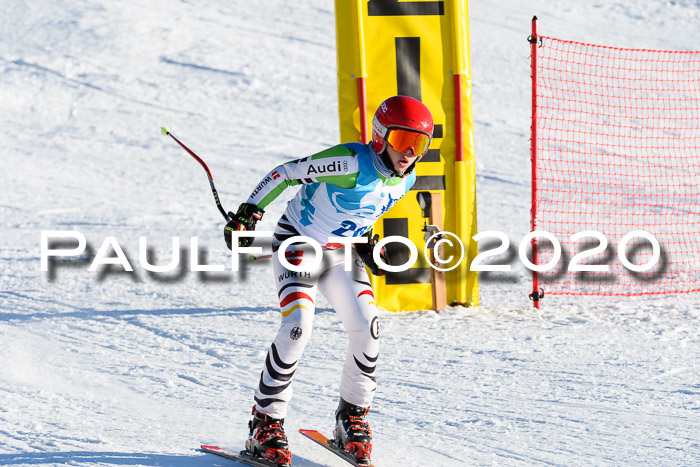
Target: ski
point(243, 456)
point(329, 444)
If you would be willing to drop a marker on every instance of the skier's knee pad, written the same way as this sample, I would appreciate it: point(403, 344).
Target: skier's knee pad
point(368, 326)
point(365, 339)
point(363, 343)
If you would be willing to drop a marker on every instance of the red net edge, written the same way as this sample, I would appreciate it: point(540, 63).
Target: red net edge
point(616, 294)
point(586, 44)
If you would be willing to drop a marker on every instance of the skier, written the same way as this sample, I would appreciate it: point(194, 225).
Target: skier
point(344, 190)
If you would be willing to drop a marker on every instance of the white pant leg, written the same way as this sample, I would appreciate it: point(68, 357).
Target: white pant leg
point(350, 294)
point(297, 295)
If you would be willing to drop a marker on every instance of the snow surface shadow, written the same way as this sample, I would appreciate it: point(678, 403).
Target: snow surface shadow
point(87, 312)
point(125, 458)
point(195, 66)
point(104, 458)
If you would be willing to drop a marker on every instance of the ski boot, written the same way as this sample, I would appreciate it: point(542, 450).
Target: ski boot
point(267, 439)
point(352, 432)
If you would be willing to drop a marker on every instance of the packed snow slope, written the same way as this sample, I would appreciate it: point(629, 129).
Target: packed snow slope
point(108, 368)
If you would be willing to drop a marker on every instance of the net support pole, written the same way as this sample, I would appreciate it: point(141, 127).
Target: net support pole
point(535, 295)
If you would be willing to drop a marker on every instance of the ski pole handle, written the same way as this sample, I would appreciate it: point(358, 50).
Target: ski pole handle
point(166, 131)
point(255, 258)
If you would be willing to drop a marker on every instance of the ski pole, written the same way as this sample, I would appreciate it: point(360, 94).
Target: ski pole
point(166, 131)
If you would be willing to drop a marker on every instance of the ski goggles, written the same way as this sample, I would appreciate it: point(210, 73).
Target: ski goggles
point(401, 140)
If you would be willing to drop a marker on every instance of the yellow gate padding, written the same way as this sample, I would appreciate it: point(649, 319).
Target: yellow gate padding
point(419, 49)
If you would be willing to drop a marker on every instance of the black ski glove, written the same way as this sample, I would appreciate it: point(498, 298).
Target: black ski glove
point(365, 250)
point(245, 219)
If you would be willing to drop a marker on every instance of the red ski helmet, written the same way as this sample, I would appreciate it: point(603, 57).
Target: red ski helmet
point(401, 112)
